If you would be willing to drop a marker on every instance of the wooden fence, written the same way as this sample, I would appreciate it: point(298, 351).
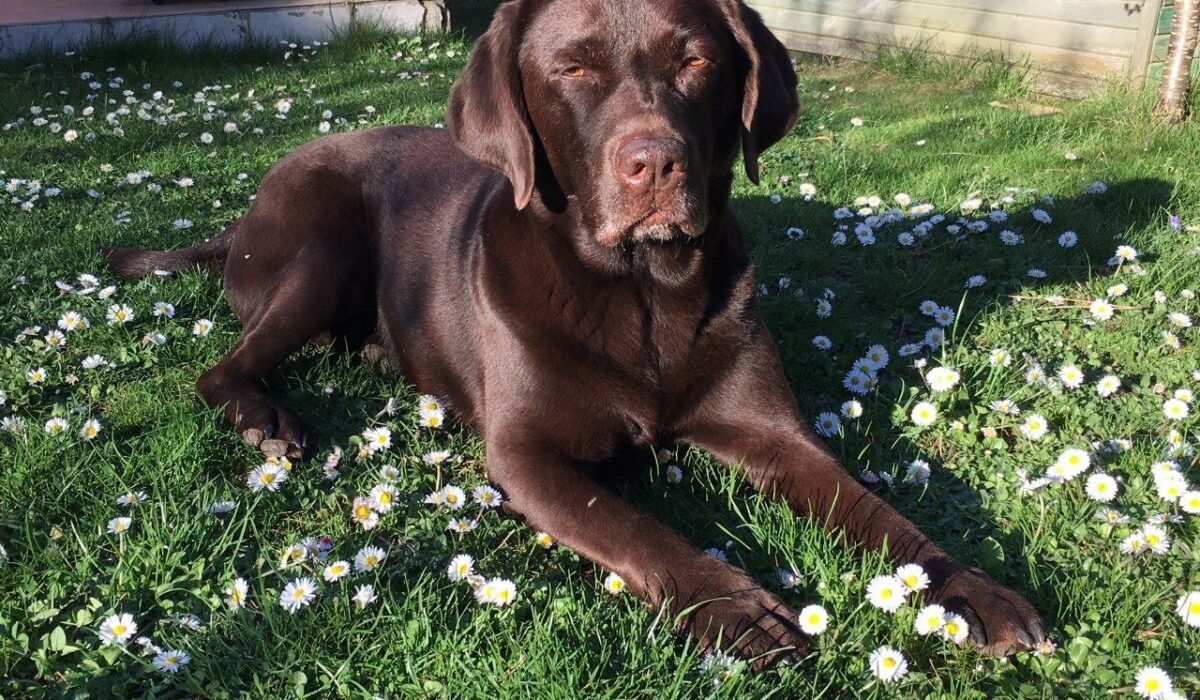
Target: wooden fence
point(1074, 45)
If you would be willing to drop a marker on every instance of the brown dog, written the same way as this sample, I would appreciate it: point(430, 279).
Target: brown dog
point(563, 268)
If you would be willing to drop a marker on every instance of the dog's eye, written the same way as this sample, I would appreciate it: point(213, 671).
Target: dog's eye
point(696, 62)
point(574, 72)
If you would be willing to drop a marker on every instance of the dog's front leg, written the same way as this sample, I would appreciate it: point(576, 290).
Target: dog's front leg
point(715, 602)
point(751, 420)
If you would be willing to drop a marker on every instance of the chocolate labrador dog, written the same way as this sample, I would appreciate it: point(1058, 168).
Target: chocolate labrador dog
point(562, 266)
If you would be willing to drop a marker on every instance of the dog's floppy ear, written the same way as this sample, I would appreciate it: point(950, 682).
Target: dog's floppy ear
point(769, 101)
point(487, 114)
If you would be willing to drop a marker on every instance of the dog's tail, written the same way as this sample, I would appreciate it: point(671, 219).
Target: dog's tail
point(133, 263)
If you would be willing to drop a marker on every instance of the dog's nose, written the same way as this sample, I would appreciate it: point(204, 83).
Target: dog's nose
point(647, 164)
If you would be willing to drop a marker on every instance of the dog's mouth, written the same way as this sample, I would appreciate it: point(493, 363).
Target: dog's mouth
point(656, 225)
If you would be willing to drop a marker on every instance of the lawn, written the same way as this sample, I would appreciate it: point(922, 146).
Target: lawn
point(977, 185)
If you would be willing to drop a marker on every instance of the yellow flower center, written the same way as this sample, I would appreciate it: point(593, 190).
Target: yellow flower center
point(118, 630)
point(1152, 684)
point(385, 497)
point(814, 619)
point(885, 593)
point(363, 512)
point(371, 560)
point(1194, 608)
point(889, 662)
point(268, 477)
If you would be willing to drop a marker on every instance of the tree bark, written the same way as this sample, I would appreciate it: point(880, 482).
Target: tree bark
point(1177, 73)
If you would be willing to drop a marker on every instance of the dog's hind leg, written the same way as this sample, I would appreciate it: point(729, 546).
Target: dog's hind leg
point(296, 311)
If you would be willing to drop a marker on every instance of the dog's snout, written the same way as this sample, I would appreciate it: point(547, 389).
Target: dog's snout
point(647, 164)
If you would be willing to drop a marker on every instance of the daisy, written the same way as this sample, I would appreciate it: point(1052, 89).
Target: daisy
point(934, 337)
point(1189, 502)
point(93, 361)
point(930, 619)
point(268, 475)
point(1179, 320)
point(1073, 462)
point(1068, 239)
point(918, 471)
point(821, 342)
point(1188, 607)
point(90, 429)
point(1127, 253)
point(852, 409)
point(432, 419)
point(1152, 682)
point(1071, 376)
point(336, 571)
point(1117, 290)
point(886, 593)
point(131, 498)
point(1133, 544)
point(163, 309)
point(614, 584)
point(954, 628)
point(1035, 374)
point(171, 661)
point(1184, 395)
point(202, 328)
point(119, 526)
point(887, 664)
point(1101, 309)
point(924, 414)
point(1157, 540)
point(453, 497)
point(813, 620)
point(72, 321)
point(364, 595)
point(55, 340)
point(487, 497)
point(119, 315)
point(362, 513)
point(388, 473)
point(674, 474)
point(35, 376)
point(377, 439)
point(460, 567)
point(368, 558)
point(1101, 487)
point(56, 426)
point(117, 629)
point(1174, 409)
point(222, 507)
point(299, 593)
point(294, 554)
point(942, 379)
point(237, 594)
point(1170, 485)
point(944, 316)
point(462, 525)
point(857, 382)
point(1034, 427)
point(496, 591)
point(1108, 385)
point(437, 457)
point(828, 424)
point(913, 577)
point(929, 307)
point(383, 497)
point(999, 358)
point(877, 356)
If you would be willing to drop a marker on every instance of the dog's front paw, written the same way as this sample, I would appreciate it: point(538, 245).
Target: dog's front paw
point(748, 620)
point(1001, 621)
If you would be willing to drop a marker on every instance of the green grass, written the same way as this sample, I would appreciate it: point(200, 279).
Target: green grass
point(935, 136)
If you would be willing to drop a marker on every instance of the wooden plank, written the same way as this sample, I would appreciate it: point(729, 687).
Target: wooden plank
point(1126, 14)
point(1093, 39)
point(1143, 46)
point(945, 40)
point(1046, 81)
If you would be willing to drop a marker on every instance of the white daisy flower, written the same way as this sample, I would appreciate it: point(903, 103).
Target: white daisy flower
point(1152, 682)
point(924, 414)
point(336, 571)
point(460, 567)
point(1108, 385)
point(1174, 409)
point(237, 594)
point(1188, 607)
point(299, 593)
point(119, 315)
point(913, 577)
point(362, 512)
point(377, 439)
point(930, 619)
point(814, 620)
point(886, 593)
point(1071, 376)
point(1101, 487)
point(887, 664)
point(171, 661)
point(119, 526)
point(268, 476)
point(364, 595)
point(368, 558)
point(117, 629)
point(614, 584)
point(955, 628)
point(487, 497)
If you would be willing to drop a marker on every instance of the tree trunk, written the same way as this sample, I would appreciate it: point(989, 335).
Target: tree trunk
point(1177, 73)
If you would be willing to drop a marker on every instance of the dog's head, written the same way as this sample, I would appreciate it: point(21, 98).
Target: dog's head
point(630, 109)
